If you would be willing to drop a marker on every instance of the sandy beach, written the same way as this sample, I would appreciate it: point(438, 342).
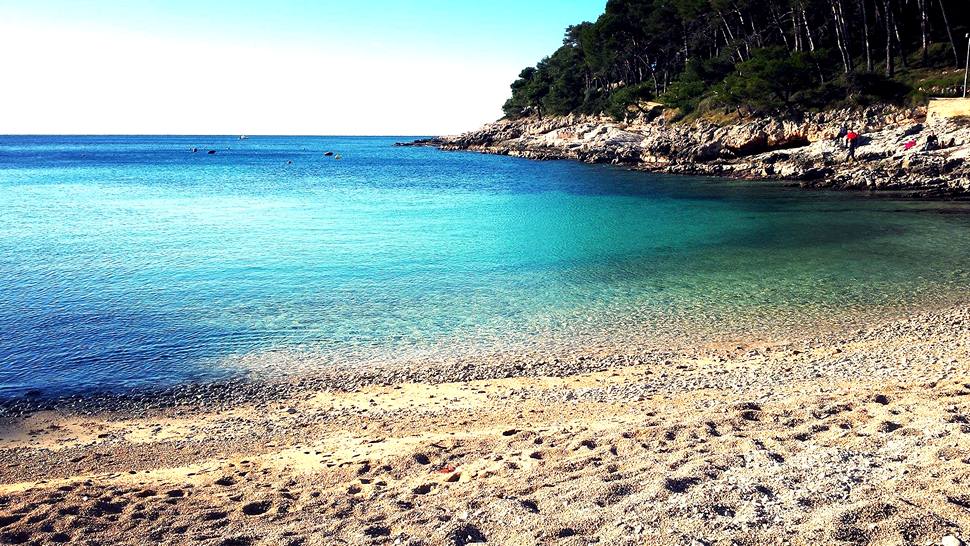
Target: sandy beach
point(857, 438)
point(700, 277)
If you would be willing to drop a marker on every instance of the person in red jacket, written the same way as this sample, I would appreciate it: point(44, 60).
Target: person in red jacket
point(852, 139)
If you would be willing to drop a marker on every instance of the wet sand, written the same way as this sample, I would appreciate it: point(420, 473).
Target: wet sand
point(855, 438)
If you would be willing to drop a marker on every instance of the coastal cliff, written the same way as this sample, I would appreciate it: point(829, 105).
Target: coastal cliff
point(805, 148)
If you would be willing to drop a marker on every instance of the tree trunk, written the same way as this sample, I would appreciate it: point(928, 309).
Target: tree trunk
point(754, 31)
point(888, 18)
point(865, 34)
point(924, 30)
point(808, 31)
point(840, 35)
point(949, 33)
point(846, 37)
point(686, 48)
point(729, 35)
point(781, 30)
point(899, 39)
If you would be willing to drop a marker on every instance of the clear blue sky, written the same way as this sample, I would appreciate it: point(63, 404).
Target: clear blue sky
point(297, 66)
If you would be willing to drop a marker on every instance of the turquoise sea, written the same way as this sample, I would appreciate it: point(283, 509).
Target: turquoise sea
point(134, 262)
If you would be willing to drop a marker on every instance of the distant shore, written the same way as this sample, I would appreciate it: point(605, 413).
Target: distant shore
point(851, 437)
point(899, 150)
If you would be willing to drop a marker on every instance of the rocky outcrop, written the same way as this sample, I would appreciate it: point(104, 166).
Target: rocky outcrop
point(803, 149)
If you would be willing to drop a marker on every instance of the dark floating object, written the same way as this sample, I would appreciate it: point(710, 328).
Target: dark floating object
point(195, 150)
point(328, 154)
point(289, 162)
point(211, 152)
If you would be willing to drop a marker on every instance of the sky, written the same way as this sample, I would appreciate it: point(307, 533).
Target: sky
point(324, 67)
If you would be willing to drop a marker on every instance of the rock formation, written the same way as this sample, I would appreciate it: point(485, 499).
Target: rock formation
point(805, 149)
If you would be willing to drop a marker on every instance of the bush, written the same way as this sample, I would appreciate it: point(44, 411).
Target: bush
point(685, 93)
point(623, 98)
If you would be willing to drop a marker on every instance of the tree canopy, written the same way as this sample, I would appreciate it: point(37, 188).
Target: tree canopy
point(749, 55)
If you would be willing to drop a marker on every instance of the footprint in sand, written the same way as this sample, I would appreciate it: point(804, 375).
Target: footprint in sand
point(376, 531)
point(889, 426)
point(465, 535)
point(15, 537)
point(69, 510)
point(103, 507)
point(421, 458)
point(257, 508)
point(214, 516)
point(680, 485)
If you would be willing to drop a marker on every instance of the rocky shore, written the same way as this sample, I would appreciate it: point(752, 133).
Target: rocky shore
point(804, 149)
point(858, 437)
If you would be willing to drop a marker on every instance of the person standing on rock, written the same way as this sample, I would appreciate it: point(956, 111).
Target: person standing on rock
point(852, 140)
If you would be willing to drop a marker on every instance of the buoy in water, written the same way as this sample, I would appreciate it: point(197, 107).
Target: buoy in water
point(211, 152)
point(327, 154)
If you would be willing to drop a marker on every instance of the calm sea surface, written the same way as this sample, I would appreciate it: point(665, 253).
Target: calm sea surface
point(130, 261)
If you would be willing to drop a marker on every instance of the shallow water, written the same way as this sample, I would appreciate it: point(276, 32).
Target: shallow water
point(130, 261)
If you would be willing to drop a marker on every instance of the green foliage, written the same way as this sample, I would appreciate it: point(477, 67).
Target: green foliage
point(685, 92)
point(692, 85)
point(769, 81)
point(754, 56)
point(628, 97)
point(564, 80)
point(528, 92)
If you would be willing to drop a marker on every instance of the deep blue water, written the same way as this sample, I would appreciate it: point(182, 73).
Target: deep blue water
point(130, 261)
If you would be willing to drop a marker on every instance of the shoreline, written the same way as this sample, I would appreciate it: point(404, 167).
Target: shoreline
point(857, 437)
point(305, 375)
point(801, 150)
